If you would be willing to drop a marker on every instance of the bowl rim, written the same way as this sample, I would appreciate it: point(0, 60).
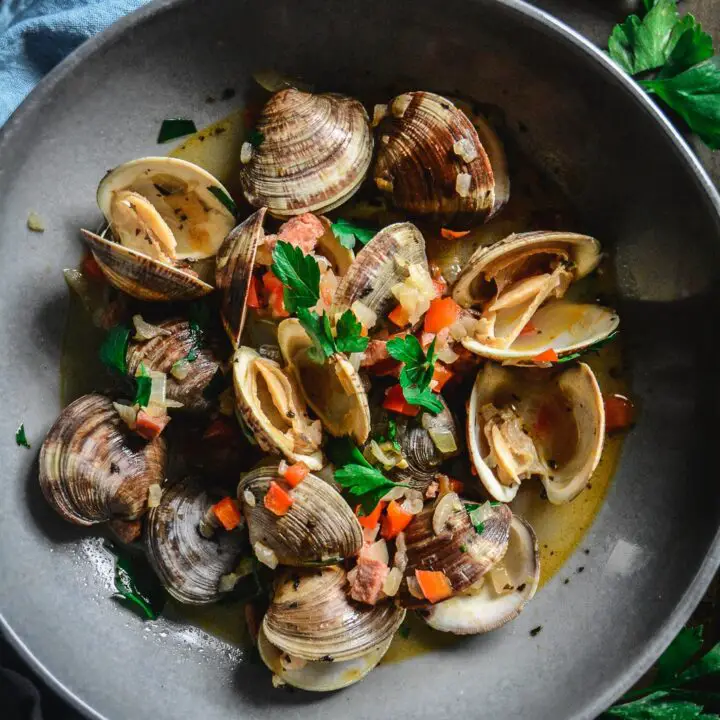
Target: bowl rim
point(540, 20)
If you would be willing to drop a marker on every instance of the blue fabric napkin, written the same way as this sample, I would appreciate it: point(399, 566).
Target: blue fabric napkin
point(35, 35)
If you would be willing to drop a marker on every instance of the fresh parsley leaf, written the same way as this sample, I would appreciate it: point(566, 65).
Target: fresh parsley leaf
point(113, 351)
point(392, 434)
point(343, 451)
point(590, 348)
point(407, 350)
point(255, 138)
point(21, 438)
point(424, 398)
point(709, 664)
point(692, 46)
point(300, 274)
point(143, 386)
point(367, 484)
point(658, 707)
point(348, 233)
point(349, 338)
point(695, 95)
point(225, 199)
point(417, 371)
point(320, 333)
point(173, 128)
point(679, 653)
point(640, 45)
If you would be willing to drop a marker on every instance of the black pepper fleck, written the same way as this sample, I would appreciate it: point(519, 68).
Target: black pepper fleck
point(522, 587)
point(535, 631)
point(581, 568)
point(227, 94)
point(566, 581)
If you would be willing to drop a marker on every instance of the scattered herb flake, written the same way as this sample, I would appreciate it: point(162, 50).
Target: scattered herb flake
point(143, 386)
point(21, 438)
point(535, 631)
point(224, 198)
point(113, 351)
point(591, 348)
point(255, 138)
point(348, 233)
point(174, 128)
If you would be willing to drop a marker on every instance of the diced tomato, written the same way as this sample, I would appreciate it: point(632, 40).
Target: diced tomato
point(228, 513)
point(395, 402)
point(399, 316)
point(276, 300)
point(149, 426)
point(395, 521)
point(529, 329)
point(443, 312)
point(453, 234)
point(296, 473)
point(220, 429)
point(434, 584)
point(548, 355)
point(253, 295)
point(277, 500)
point(271, 282)
point(441, 375)
point(371, 520)
point(457, 486)
point(619, 412)
point(90, 268)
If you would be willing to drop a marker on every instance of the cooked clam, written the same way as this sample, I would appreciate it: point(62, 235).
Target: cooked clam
point(162, 352)
point(431, 160)
point(443, 538)
point(189, 565)
point(310, 617)
point(517, 283)
point(525, 423)
point(92, 469)
point(270, 406)
point(319, 526)
point(333, 388)
point(503, 593)
point(313, 156)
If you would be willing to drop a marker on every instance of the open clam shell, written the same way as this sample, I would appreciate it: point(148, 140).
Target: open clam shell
point(92, 469)
point(319, 526)
point(311, 617)
point(443, 538)
point(314, 153)
point(381, 264)
point(431, 160)
point(319, 675)
point(163, 351)
point(517, 284)
point(270, 406)
point(333, 389)
point(142, 276)
point(189, 565)
point(498, 600)
point(525, 423)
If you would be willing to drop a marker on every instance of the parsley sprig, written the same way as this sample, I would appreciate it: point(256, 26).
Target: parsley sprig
point(417, 371)
point(348, 233)
point(675, 59)
point(300, 274)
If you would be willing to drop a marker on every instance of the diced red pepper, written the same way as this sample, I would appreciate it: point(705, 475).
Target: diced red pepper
point(441, 375)
point(296, 473)
point(548, 355)
point(529, 329)
point(149, 426)
point(228, 513)
point(619, 412)
point(453, 234)
point(276, 300)
point(371, 520)
point(395, 402)
point(395, 521)
point(399, 316)
point(434, 584)
point(457, 486)
point(253, 295)
point(277, 500)
point(442, 313)
point(271, 282)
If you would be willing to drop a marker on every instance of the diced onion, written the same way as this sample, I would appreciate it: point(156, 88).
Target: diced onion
point(462, 184)
point(392, 582)
point(370, 534)
point(414, 588)
point(157, 405)
point(228, 582)
point(379, 113)
point(388, 459)
point(282, 468)
point(180, 369)
point(401, 559)
point(416, 292)
point(447, 355)
point(175, 404)
point(465, 149)
point(364, 314)
point(393, 494)
point(154, 495)
point(249, 498)
point(246, 153)
point(265, 555)
point(127, 413)
point(146, 331)
point(501, 580)
point(458, 330)
point(444, 440)
point(481, 514)
point(277, 681)
point(446, 506)
point(413, 502)
point(377, 551)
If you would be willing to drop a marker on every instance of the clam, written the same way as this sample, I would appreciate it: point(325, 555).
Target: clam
point(526, 422)
point(443, 538)
point(163, 351)
point(314, 152)
point(189, 565)
point(319, 526)
point(92, 469)
point(504, 592)
point(383, 263)
point(333, 388)
point(431, 160)
point(163, 214)
point(518, 284)
point(311, 618)
point(318, 675)
point(269, 405)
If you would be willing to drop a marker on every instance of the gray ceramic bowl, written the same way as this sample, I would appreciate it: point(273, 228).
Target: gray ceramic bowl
point(654, 545)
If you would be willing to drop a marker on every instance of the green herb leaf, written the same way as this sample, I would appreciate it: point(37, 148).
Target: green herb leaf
point(407, 350)
point(343, 451)
point(590, 348)
point(320, 333)
point(137, 585)
point(143, 386)
point(114, 349)
point(424, 398)
point(20, 437)
point(349, 334)
point(255, 138)
point(657, 707)
point(709, 664)
point(417, 371)
point(173, 128)
point(679, 653)
point(392, 434)
point(348, 233)
point(225, 199)
point(367, 484)
point(691, 47)
point(695, 95)
point(300, 274)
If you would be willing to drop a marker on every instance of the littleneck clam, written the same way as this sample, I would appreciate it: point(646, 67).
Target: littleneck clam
point(163, 214)
point(310, 617)
point(163, 351)
point(92, 469)
point(504, 592)
point(443, 538)
point(314, 152)
point(189, 565)
point(431, 160)
point(525, 422)
point(318, 527)
point(269, 404)
point(333, 388)
point(517, 283)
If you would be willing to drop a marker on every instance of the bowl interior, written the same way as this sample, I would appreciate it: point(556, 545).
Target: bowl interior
point(651, 547)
